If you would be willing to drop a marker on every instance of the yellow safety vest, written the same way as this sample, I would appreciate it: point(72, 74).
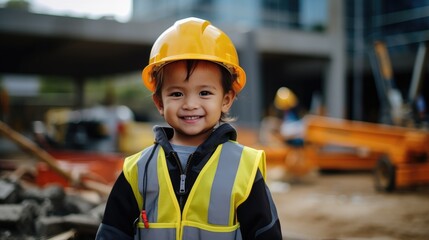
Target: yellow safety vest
point(210, 210)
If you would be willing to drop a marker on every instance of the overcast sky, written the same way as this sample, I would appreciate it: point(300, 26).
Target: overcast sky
point(118, 9)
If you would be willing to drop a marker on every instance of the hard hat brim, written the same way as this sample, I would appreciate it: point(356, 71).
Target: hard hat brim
point(149, 79)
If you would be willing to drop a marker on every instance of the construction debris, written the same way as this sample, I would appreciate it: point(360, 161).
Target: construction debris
point(50, 211)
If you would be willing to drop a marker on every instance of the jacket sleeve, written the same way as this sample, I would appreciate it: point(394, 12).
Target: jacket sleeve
point(258, 215)
point(120, 213)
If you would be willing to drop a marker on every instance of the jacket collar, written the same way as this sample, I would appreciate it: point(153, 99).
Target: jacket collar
point(221, 134)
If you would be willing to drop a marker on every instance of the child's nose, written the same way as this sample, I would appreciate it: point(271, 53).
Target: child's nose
point(191, 102)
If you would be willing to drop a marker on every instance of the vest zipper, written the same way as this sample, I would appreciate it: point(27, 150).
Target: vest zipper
point(182, 186)
point(182, 183)
point(183, 172)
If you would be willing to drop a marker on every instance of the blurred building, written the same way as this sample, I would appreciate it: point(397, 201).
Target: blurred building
point(311, 46)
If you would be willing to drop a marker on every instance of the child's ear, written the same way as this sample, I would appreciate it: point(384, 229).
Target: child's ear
point(158, 103)
point(227, 101)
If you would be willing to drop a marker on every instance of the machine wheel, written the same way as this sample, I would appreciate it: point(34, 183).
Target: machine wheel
point(384, 175)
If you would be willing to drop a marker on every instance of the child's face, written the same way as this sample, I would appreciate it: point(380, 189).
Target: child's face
point(192, 107)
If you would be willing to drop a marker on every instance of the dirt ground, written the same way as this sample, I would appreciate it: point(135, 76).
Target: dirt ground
point(346, 206)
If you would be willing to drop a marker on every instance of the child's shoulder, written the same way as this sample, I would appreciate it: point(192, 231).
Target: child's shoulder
point(133, 158)
point(244, 147)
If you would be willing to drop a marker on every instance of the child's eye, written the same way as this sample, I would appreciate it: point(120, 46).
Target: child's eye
point(176, 94)
point(205, 93)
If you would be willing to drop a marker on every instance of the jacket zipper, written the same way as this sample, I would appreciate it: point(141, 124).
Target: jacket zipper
point(183, 172)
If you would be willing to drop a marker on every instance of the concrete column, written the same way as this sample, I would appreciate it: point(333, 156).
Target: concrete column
point(358, 61)
point(248, 106)
point(335, 81)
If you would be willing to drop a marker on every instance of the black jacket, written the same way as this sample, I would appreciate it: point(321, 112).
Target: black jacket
point(257, 215)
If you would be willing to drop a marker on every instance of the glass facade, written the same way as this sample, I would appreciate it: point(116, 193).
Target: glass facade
point(308, 15)
point(402, 25)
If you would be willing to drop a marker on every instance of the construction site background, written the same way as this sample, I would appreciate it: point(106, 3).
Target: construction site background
point(355, 156)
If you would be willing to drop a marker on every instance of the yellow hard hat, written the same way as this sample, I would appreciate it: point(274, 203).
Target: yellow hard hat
point(285, 99)
point(193, 38)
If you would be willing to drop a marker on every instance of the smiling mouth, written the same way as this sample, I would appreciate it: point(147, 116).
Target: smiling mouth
point(191, 117)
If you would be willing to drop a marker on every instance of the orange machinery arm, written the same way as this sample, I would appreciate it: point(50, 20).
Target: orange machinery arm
point(397, 142)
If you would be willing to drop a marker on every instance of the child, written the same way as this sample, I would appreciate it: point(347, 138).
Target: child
point(196, 181)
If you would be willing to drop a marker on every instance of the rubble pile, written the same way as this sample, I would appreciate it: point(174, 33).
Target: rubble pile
point(30, 212)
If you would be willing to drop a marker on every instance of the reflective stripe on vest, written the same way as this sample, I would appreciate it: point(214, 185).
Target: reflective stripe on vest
point(152, 186)
point(220, 202)
point(210, 211)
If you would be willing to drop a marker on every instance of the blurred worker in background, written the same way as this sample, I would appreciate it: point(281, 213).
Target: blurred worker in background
point(292, 127)
point(282, 123)
point(269, 131)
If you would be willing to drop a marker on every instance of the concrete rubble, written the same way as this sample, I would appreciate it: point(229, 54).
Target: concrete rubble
point(30, 212)
point(52, 211)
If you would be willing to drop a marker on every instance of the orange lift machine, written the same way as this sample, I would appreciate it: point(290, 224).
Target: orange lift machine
point(397, 148)
point(402, 154)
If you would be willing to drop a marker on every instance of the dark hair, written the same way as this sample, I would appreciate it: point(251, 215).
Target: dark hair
point(227, 80)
